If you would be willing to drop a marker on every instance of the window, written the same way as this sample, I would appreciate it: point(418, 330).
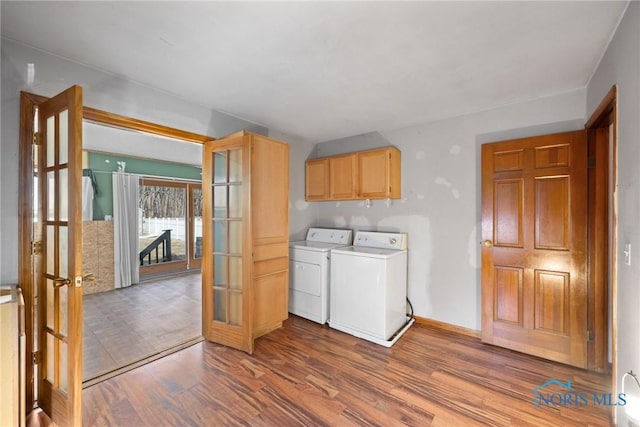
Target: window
point(170, 219)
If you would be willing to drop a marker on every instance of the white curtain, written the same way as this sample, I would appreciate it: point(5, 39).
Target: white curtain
point(87, 199)
point(125, 229)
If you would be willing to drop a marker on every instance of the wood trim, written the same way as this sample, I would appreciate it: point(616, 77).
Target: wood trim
point(124, 122)
point(605, 115)
point(194, 263)
point(134, 365)
point(162, 268)
point(604, 109)
point(245, 132)
point(598, 264)
point(112, 119)
point(169, 182)
point(74, 345)
point(447, 327)
point(25, 231)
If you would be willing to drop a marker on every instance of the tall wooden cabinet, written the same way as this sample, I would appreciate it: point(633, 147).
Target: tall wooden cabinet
point(371, 174)
point(245, 182)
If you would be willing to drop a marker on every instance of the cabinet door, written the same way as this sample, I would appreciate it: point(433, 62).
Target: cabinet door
point(379, 173)
point(317, 179)
point(269, 191)
point(374, 173)
point(343, 179)
point(270, 233)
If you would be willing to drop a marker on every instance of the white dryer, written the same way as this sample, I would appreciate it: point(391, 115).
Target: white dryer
point(369, 287)
point(309, 266)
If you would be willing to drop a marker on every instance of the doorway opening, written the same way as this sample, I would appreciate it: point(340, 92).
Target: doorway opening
point(137, 232)
point(603, 230)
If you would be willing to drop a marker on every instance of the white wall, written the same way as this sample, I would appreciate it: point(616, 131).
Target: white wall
point(107, 139)
point(102, 91)
point(440, 205)
point(621, 66)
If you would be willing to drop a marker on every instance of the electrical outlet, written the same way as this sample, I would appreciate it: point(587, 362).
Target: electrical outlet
point(627, 253)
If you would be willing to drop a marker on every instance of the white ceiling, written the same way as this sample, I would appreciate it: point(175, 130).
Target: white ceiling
point(326, 70)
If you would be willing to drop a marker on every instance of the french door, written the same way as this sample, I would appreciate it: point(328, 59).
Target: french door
point(226, 267)
point(50, 243)
point(58, 273)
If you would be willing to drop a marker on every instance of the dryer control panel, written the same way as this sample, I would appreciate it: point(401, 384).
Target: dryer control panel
point(329, 235)
point(376, 239)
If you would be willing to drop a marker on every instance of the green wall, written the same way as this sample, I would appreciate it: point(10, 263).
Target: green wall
point(103, 164)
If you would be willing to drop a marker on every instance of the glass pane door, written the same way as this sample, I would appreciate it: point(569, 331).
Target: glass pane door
point(227, 190)
point(226, 243)
point(60, 281)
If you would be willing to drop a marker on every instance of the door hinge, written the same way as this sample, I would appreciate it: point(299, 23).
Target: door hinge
point(35, 357)
point(590, 335)
point(36, 138)
point(36, 248)
point(591, 162)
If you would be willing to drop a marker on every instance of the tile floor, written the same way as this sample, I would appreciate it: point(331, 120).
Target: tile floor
point(127, 325)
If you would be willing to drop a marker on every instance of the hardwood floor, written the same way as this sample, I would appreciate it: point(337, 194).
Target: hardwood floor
point(310, 375)
point(126, 325)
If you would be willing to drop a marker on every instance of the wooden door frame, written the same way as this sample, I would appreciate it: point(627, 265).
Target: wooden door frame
point(28, 103)
point(604, 117)
point(193, 262)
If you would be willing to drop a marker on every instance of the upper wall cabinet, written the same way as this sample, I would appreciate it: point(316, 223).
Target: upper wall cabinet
point(379, 173)
point(317, 179)
point(372, 174)
point(343, 177)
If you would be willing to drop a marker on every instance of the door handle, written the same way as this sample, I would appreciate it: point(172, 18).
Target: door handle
point(486, 243)
point(60, 282)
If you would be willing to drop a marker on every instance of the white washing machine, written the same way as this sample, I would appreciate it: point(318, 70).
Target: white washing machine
point(309, 266)
point(369, 287)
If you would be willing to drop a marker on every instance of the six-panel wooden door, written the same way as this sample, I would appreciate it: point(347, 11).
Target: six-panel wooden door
point(534, 248)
